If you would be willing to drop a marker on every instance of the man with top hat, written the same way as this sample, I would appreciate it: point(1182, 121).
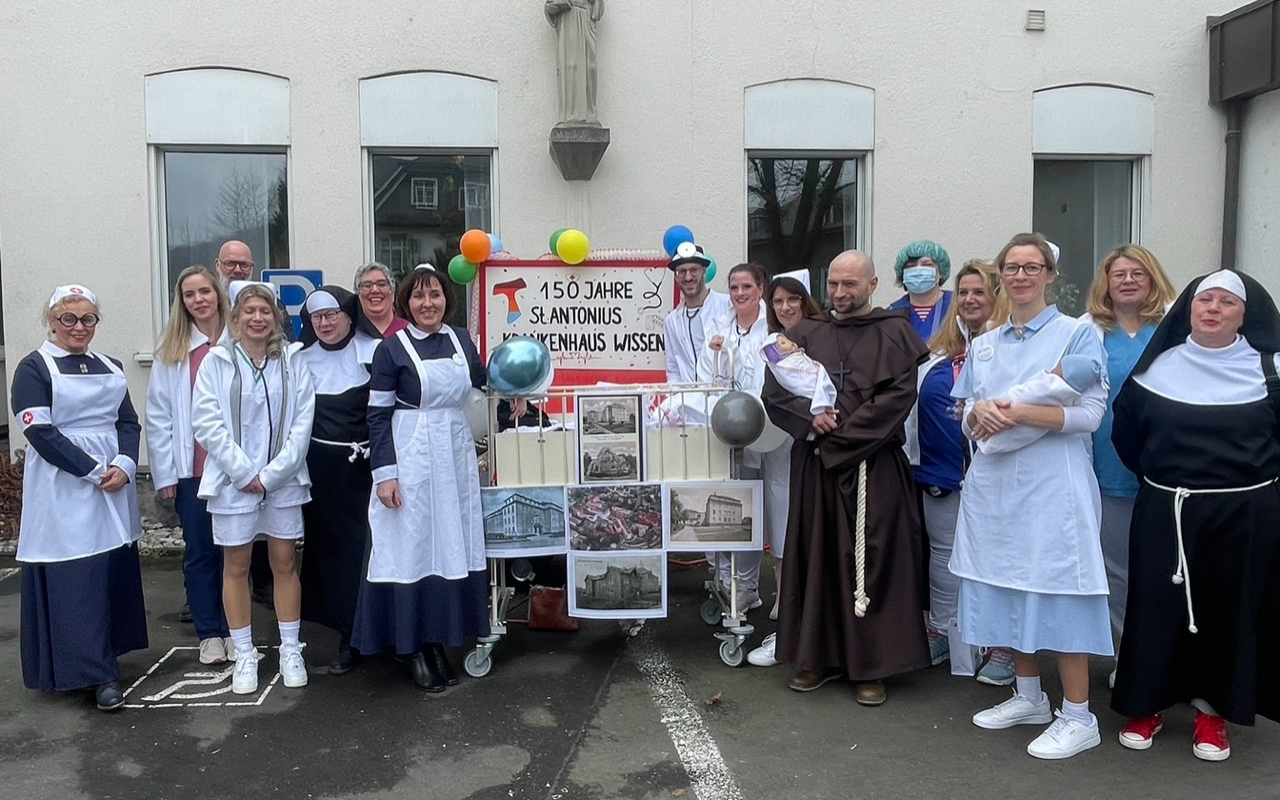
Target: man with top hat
point(685, 327)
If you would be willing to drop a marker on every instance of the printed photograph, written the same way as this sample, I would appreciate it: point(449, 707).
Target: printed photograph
point(714, 515)
point(615, 517)
point(605, 416)
point(524, 521)
point(610, 462)
point(617, 586)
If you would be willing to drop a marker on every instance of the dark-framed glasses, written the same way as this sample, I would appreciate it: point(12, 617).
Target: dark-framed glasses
point(326, 317)
point(70, 320)
point(1030, 270)
point(239, 265)
point(369, 286)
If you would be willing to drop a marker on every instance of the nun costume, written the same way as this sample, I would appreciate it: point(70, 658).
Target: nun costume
point(1198, 425)
point(82, 603)
point(336, 520)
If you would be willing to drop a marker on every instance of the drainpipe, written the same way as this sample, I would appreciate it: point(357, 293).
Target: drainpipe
point(1231, 183)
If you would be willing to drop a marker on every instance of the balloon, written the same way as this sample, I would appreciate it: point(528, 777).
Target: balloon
point(462, 270)
point(573, 247)
point(476, 409)
point(555, 238)
point(711, 270)
point(673, 238)
point(771, 438)
point(738, 418)
point(495, 244)
point(519, 367)
point(475, 245)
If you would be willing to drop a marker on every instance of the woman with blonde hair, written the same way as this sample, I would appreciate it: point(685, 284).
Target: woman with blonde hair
point(252, 411)
point(1127, 300)
point(82, 602)
point(197, 322)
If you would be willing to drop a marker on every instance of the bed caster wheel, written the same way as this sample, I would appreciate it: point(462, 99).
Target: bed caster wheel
point(710, 612)
point(732, 654)
point(477, 665)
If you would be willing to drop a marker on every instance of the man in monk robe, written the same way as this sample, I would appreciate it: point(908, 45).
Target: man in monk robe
point(851, 587)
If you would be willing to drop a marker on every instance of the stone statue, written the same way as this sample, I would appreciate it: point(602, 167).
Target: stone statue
point(575, 24)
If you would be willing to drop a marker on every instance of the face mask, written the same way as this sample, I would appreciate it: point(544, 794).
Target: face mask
point(919, 280)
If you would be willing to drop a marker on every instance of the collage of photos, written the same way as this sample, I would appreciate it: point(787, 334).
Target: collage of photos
point(609, 442)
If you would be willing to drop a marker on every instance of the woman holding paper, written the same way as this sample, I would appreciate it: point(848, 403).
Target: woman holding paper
point(1026, 544)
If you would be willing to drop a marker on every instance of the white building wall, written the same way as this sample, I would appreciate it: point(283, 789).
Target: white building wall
point(1259, 247)
point(953, 123)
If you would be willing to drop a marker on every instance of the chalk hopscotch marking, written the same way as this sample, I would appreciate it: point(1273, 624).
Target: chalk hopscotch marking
point(201, 678)
point(9, 572)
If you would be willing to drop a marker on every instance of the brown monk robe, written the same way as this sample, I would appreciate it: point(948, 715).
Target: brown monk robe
point(872, 357)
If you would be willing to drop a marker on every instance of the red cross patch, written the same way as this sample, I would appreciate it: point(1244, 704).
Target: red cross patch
point(27, 417)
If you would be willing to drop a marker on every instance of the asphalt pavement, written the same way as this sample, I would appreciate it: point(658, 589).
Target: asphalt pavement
point(572, 716)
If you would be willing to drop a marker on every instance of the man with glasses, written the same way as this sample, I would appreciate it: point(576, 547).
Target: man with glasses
point(376, 289)
point(685, 327)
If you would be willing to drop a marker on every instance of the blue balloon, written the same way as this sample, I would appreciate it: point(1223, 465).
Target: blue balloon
point(519, 367)
point(675, 236)
point(495, 244)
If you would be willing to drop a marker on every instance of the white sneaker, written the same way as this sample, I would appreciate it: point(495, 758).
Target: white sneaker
point(773, 612)
point(764, 655)
point(213, 650)
point(1017, 710)
point(245, 678)
point(748, 600)
point(230, 645)
point(1065, 738)
point(293, 669)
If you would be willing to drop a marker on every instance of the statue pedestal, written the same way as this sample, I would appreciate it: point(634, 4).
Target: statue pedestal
point(577, 149)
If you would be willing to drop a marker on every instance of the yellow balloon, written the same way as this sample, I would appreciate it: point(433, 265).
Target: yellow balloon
point(573, 247)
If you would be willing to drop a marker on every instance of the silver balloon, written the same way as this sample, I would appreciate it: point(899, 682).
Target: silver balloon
point(770, 439)
point(475, 407)
point(738, 419)
point(519, 367)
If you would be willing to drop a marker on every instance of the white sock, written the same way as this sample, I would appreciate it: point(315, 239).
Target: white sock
point(1202, 705)
point(1030, 689)
point(243, 638)
point(1078, 712)
point(289, 634)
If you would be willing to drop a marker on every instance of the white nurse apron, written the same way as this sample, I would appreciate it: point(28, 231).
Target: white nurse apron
point(64, 516)
point(438, 528)
point(1030, 518)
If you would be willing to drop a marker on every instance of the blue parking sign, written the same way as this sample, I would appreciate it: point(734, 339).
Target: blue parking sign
point(294, 285)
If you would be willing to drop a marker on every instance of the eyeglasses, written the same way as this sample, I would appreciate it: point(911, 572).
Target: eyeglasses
point(369, 286)
point(1031, 270)
point(325, 316)
point(70, 320)
point(1120, 276)
point(685, 272)
point(246, 265)
point(779, 302)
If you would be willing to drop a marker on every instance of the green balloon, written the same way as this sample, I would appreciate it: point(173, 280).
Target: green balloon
point(711, 269)
point(461, 270)
point(555, 239)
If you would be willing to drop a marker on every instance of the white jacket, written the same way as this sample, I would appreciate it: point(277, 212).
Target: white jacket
point(228, 469)
point(170, 440)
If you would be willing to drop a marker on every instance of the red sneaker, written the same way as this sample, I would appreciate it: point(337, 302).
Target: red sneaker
point(1210, 742)
point(1138, 733)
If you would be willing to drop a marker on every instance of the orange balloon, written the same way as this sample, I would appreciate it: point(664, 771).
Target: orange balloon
point(475, 245)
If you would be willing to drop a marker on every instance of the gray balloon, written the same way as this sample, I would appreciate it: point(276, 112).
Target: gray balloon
point(737, 419)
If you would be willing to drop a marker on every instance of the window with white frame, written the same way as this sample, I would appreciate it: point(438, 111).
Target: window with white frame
point(1092, 146)
point(424, 193)
point(219, 142)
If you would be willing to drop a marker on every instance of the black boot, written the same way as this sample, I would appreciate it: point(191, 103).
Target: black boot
point(344, 660)
point(109, 696)
point(424, 674)
point(184, 615)
point(441, 662)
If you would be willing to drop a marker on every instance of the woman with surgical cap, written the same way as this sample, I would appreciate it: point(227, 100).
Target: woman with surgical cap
point(82, 602)
point(1197, 423)
point(922, 268)
point(338, 355)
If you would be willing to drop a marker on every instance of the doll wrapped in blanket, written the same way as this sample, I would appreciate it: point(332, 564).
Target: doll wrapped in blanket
point(799, 374)
point(1062, 386)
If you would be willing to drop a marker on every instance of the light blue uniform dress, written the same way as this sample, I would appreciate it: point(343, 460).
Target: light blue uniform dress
point(1027, 549)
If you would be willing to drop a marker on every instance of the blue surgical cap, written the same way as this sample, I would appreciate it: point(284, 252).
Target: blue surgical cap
point(924, 249)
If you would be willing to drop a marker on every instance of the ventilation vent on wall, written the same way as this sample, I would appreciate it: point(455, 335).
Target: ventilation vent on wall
point(1035, 20)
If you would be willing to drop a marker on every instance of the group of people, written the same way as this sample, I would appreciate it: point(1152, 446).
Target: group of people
point(353, 437)
point(994, 474)
point(981, 471)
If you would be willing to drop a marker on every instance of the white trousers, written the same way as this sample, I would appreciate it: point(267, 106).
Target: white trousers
point(775, 471)
point(940, 521)
point(1117, 513)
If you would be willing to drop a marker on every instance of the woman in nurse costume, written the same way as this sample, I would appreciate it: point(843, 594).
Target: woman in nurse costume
point(82, 602)
point(1026, 546)
point(252, 411)
point(197, 321)
point(427, 585)
point(1197, 423)
point(338, 357)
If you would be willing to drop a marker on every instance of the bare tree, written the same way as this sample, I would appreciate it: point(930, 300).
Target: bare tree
point(795, 195)
point(242, 203)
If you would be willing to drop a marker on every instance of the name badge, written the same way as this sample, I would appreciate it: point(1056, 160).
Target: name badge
point(458, 359)
point(986, 353)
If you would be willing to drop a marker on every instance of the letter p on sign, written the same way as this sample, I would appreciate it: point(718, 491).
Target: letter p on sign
point(294, 285)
